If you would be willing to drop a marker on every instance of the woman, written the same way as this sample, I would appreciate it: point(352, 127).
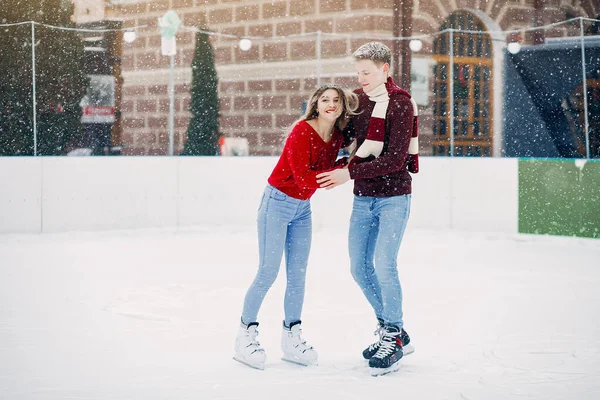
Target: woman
point(284, 222)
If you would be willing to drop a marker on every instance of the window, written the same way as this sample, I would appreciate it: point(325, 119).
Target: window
point(471, 85)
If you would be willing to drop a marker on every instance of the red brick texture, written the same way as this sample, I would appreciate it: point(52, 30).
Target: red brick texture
point(261, 105)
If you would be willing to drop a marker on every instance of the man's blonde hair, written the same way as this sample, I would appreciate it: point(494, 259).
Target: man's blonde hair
point(377, 52)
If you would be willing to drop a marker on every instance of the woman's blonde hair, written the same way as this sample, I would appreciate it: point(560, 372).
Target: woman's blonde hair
point(348, 102)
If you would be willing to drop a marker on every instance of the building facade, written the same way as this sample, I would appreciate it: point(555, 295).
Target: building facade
point(298, 44)
point(88, 10)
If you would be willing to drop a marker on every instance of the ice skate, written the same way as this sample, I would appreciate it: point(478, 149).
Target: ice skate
point(294, 347)
point(407, 347)
point(370, 351)
point(387, 358)
point(247, 348)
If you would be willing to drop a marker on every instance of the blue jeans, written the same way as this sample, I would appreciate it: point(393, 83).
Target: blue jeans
point(377, 225)
point(284, 225)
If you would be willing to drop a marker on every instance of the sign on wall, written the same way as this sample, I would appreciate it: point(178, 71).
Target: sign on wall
point(98, 104)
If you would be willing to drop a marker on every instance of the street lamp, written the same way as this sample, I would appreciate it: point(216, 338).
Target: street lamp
point(169, 25)
point(129, 36)
point(513, 47)
point(415, 45)
point(245, 44)
point(514, 43)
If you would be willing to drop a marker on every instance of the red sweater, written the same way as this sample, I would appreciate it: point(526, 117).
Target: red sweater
point(304, 156)
point(386, 175)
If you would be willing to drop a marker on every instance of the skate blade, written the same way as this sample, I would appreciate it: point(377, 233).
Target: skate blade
point(408, 349)
point(255, 366)
point(385, 371)
point(298, 362)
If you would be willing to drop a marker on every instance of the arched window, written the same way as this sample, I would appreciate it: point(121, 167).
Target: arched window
point(472, 83)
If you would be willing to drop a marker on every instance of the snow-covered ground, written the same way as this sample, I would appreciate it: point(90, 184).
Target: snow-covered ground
point(153, 315)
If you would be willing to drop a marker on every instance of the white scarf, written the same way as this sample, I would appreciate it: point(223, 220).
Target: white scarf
point(373, 144)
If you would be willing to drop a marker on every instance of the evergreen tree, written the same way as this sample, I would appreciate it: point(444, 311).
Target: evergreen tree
point(203, 129)
point(60, 81)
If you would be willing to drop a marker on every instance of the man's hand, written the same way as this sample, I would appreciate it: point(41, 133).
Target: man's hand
point(331, 179)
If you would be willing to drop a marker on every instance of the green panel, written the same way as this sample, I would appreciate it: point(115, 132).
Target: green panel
point(559, 197)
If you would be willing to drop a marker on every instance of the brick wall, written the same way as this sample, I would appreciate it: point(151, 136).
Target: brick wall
point(261, 90)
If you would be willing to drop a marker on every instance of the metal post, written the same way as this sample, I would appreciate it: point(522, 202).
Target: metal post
point(319, 66)
point(585, 103)
point(406, 29)
point(451, 90)
point(396, 70)
point(539, 35)
point(171, 104)
point(34, 89)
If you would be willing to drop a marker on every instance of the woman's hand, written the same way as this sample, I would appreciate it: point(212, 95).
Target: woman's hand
point(331, 179)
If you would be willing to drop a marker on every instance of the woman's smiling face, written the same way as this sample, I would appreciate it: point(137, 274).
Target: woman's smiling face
point(329, 105)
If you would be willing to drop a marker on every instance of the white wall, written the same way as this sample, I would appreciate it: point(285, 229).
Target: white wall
point(90, 193)
point(55, 194)
point(484, 194)
point(20, 194)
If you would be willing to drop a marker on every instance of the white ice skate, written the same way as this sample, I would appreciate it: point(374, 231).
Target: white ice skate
point(294, 347)
point(247, 348)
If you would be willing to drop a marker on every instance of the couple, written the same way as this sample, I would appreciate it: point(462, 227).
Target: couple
point(379, 125)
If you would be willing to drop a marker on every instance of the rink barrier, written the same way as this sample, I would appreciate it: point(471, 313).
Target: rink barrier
point(58, 194)
point(559, 197)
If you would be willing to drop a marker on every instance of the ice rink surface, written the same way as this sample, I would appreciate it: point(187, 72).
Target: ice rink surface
point(153, 314)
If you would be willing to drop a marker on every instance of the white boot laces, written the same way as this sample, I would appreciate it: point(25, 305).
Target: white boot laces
point(386, 347)
point(299, 342)
point(252, 336)
point(378, 332)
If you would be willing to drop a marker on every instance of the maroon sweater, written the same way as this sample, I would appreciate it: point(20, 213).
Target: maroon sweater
point(387, 174)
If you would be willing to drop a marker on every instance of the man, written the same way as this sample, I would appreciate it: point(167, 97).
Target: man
point(385, 132)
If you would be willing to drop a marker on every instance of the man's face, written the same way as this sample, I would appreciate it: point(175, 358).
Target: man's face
point(370, 75)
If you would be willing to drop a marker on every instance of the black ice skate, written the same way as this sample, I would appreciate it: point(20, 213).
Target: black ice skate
point(387, 357)
point(372, 349)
